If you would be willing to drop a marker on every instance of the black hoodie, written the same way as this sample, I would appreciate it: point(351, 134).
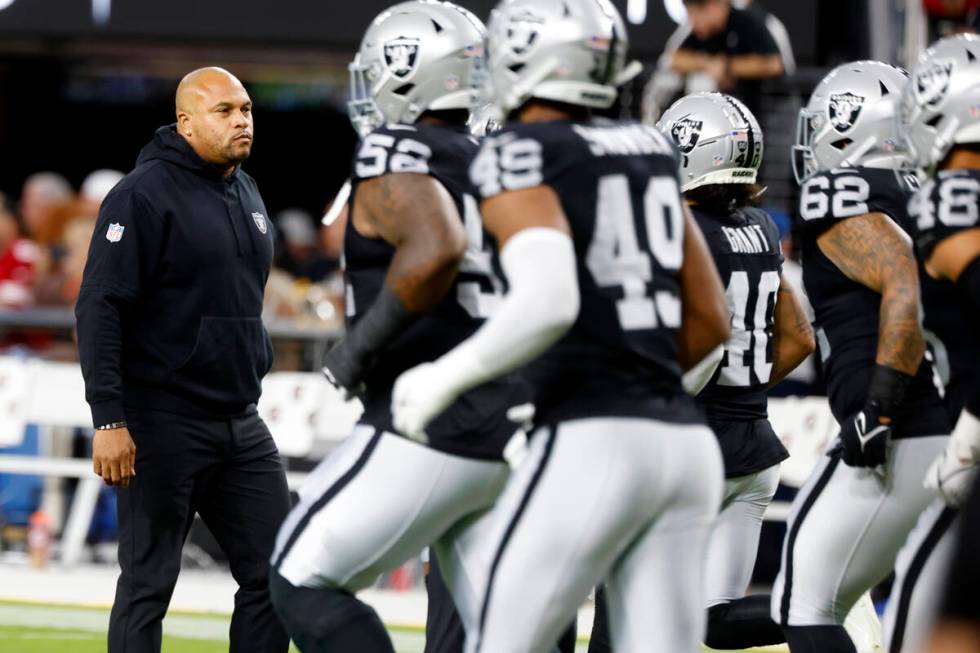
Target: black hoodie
point(169, 314)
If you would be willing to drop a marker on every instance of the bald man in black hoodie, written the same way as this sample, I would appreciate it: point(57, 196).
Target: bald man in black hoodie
point(173, 352)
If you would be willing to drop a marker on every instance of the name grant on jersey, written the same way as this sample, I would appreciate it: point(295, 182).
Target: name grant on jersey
point(747, 240)
point(624, 140)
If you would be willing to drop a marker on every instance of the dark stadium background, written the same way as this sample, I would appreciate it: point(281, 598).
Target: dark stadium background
point(75, 95)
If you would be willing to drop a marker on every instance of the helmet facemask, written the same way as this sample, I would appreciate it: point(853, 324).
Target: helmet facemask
point(362, 108)
point(804, 158)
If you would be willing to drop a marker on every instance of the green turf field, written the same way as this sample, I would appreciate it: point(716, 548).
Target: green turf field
point(41, 628)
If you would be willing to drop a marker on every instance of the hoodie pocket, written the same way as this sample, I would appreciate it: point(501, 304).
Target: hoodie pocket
point(229, 359)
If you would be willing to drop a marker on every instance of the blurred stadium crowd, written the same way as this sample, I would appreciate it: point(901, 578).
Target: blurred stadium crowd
point(45, 233)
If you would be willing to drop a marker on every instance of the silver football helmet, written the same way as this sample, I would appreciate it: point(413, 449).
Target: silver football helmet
point(850, 120)
point(941, 103)
point(570, 51)
point(417, 56)
point(719, 139)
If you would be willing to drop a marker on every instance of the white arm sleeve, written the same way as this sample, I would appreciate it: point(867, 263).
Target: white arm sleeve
point(542, 304)
point(698, 376)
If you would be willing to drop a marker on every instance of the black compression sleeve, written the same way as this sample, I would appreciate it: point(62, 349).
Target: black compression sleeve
point(386, 318)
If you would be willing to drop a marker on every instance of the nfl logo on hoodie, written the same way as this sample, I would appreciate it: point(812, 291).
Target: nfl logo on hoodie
point(115, 232)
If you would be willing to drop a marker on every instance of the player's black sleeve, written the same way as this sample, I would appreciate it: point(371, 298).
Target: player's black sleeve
point(124, 251)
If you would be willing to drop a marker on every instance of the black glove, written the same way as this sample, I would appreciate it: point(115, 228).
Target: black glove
point(345, 369)
point(864, 438)
point(865, 435)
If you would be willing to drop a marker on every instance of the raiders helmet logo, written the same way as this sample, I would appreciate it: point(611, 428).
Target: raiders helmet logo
point(522, 33)
point(932, 82)
point(686, 133)
point(402, 56)
point(844, 110)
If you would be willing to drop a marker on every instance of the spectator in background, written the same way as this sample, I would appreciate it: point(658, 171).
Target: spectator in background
point(64, 232)
point(96, 186)
point(41, 192)
point(729, 49)
point(299, 251)
point(18, 261)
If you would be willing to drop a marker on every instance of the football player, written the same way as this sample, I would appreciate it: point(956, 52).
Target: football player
point(721, 151)
point(418, 282)
point(850, 519)
point(938, 122)
point(612, 294)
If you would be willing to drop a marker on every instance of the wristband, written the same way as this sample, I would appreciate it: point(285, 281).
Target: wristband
point(110, 426)
point(888, 387)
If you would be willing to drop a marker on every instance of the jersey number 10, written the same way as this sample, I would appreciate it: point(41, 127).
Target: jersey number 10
point(733, 371)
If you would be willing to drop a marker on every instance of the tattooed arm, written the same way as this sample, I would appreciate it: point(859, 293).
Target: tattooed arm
point(793, 336)
point(416, 215)
point(873, 251)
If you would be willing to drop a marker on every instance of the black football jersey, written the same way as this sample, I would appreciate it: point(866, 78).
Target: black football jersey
point(745, 248)
point(476, 424)
point(946, 205)
point(618, 187)
point(846, 312)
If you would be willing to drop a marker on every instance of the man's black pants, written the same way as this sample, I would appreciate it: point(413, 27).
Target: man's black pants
point(229, 472)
